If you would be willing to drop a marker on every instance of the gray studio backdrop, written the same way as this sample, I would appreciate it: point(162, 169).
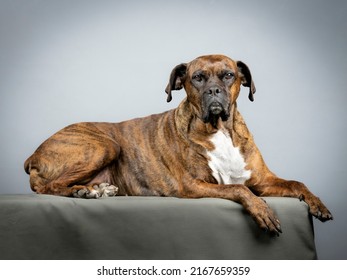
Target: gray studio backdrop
point(67, 61)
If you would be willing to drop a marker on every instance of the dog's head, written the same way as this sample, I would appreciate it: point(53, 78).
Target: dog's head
point(212, 84)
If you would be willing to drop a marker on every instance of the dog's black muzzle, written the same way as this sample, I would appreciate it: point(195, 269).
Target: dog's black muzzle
point(215, 105)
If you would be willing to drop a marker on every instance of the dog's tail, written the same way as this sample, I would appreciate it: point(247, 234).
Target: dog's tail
point(27, 165)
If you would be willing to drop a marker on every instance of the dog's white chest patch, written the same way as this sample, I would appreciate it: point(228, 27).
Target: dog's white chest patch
point(226, 161)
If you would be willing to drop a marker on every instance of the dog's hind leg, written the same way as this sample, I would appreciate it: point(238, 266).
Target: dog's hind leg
point(76, 161)
point(68, 185)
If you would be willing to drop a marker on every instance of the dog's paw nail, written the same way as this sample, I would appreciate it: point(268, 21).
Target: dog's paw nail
point(326, 217)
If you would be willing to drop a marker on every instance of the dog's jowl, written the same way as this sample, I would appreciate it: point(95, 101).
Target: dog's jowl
point(202, 148)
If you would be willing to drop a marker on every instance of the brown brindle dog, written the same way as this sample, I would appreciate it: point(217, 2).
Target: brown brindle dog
point(200, 149)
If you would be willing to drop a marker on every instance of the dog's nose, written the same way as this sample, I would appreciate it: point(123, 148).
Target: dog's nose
point(214, 91)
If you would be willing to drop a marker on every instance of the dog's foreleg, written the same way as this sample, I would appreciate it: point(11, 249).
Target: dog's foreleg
point(274, 186)
point(261, 213)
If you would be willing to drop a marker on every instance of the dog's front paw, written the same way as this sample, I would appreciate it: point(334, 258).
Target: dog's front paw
point(318, 209)
point(264, 216)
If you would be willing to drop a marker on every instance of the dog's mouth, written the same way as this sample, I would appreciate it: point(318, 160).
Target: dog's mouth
point(215, 111)
point(215, 108)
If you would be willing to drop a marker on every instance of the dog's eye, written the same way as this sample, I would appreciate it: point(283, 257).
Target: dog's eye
point(228, 75)
point(198, 77)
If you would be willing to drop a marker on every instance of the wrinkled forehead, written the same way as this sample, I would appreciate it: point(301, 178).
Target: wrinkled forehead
point(212, 64)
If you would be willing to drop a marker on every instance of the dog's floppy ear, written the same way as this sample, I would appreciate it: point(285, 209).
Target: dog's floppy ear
point(176, 81)
point(246, 78)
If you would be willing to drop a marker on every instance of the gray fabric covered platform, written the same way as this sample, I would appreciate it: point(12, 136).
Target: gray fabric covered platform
point(51, 227)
